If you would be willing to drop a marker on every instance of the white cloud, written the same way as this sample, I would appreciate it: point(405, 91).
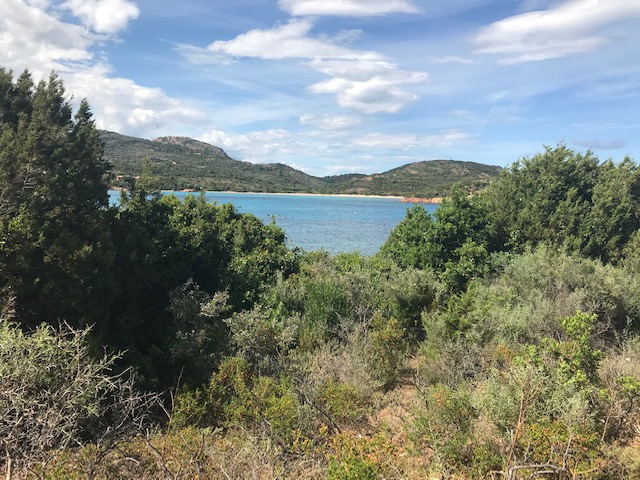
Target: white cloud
point(31, 38)
point(34, 38)
point(342, 169)
point(362, 80)
point(42, 4)
point(330, 122)
point(288, 41)
point(141, 117)
point(571, 27)
point(124, 106)
point(373, 96)
point(453, 59)
point(368, 86)
point(443, 139)
point(347, 8)
point(463, 113)
point(104, 16)
point(316, 152)
point(256, 147)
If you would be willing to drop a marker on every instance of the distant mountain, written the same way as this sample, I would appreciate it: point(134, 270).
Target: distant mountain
point(185, 163)
point(432, 178)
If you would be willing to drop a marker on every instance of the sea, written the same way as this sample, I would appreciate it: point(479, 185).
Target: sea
point(319, 222)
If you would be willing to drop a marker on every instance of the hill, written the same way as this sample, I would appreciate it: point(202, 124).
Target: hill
point(433, 178)
point(185, 163)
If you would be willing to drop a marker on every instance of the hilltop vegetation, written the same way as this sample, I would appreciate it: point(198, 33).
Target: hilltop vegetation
point(499, 338)
point(184, 163)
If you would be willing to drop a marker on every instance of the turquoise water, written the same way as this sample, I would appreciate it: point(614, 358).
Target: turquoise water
point(335, 224)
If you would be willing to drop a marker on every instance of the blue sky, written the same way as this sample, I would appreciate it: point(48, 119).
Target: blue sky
point(338, 86)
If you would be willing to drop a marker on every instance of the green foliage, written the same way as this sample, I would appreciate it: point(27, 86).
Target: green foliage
point(548, 402)
point(351, 468)
point(148, 182)
point(345, 402)
point(456, 242)
point(567, 199)
point(615, 216)
point(527, 301)
point(387, 350)
point(529, 356)
point(236, 396)
point(409, 242)
point(577, 359)
point(53, 195)
point(262, 337)
point(445, 425)
point(173, 259)
point(329, 295)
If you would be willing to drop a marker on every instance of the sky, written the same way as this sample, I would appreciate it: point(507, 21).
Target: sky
point(340, 86)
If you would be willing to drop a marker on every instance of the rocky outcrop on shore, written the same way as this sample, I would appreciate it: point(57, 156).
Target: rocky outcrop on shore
point(432, 200)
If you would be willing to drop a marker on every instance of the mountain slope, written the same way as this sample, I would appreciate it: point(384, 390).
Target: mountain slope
point(433, 178)
point(182, 162)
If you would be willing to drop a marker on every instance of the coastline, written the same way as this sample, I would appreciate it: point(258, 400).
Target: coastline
point(293, 194)
point(300, 194)
point(425, 200)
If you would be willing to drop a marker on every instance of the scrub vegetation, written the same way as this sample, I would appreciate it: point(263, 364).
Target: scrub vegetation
point(497, 338)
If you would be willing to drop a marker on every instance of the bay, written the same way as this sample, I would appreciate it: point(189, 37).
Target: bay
point(337, 224)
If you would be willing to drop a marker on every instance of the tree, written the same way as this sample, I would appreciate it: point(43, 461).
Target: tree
point(455, 242)
point(171, 259)
point(568, 200)
point(54, 195)
point(545, 199)
point(615, 215)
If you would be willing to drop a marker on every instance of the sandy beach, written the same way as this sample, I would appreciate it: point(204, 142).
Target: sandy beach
point(434, 200)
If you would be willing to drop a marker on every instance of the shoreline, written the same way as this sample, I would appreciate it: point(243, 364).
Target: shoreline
point(425, 200)
point(292, 194)
point(301, 194)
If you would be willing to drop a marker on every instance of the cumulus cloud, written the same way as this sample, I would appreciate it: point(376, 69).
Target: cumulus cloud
point(347, 8)
point(380, 93)
point(104, 16)
point(362, 80)
point(256, 147)
point(571, 27)
point(287, 41)
point(33, 37)
point(124, 106)
point(368, 86)
point(342, 169)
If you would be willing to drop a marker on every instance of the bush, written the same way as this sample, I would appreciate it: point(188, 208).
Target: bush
point(351, 468)
point(235, 396)
point(386, 350)
point(445, 425)
point(54, 394)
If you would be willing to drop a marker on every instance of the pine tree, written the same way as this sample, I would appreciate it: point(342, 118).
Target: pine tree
point(53, 193)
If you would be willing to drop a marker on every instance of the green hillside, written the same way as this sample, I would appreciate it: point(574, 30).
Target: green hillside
point(184, 163)
point(433, 178)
